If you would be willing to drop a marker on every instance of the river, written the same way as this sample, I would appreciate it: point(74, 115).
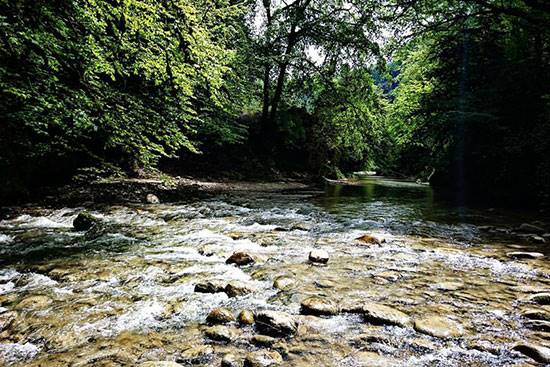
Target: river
point(465, 286)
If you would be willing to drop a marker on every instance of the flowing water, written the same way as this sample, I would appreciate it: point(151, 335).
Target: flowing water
point(123, 293)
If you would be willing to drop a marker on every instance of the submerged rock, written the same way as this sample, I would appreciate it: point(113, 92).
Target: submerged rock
point(85, 221)
point(263, 358)
point(246, 317)
point(537, 352)
point(438, 326)
point(276, 323)
point(220, 333)
point(237, 289)
point(318, 306)
point(34, 303)
point(240, 259)
point(525, 255)
point(283, 282)
point(152, 199)
point(210, 287)
point(530, 228)
point(373, 359)
point(318, 256)
point(220, 316)
point(196, 355)
point(381, 314)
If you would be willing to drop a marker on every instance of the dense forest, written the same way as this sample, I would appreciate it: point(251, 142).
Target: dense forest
point(454, 91)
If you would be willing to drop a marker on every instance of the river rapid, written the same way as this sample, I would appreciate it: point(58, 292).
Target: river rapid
point(429, 284)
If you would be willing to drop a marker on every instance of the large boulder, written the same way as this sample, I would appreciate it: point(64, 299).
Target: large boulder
point(385, 315)
point(318, 306)
point(276, 323)
point(85, 221)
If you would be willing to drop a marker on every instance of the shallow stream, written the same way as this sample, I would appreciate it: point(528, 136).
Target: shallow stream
point(123, 292)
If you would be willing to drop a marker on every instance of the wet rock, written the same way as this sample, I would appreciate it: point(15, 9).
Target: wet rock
point(325, 284)
point(206, 251)
point(160, 364)
point(369, 240)
point(530, 228)
point(220, 333)
point(283, 282)
point(534, 314)
point(351, 306)
point(539, 325)
point(246, 317)
point(220, 316)
point(440, 327)
point(263, 358)
point(7, 319)
point(318, 256)
point(237, 289)
point(85, 221)
point(540, 298)
point(34, 303)
point(152, 199)
point(383, 315)
point(318, 306)
point(276, 323)
point(537, 239)
point(210, 287)
point(525, 255)
point(240, 259)
point(537, 352)
point(449, 286)
point(230, 360)
point(197, 355)
point(263, 340)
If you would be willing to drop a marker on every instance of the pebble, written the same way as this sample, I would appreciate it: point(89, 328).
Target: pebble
point(246, 317)
point(152, 199)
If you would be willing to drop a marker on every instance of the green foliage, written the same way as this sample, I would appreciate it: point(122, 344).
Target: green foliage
point(130, 80)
